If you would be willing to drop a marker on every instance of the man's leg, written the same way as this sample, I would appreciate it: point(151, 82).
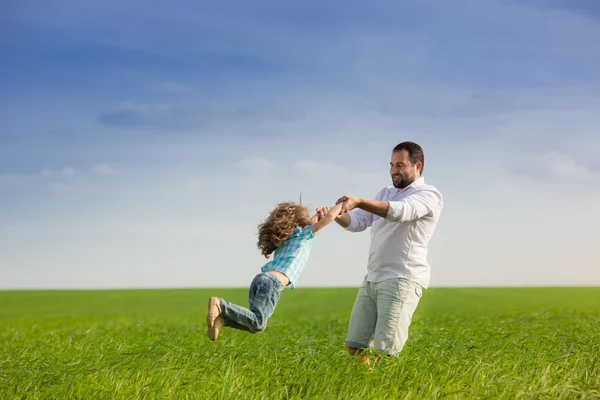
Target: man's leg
point(397, 300)
point(362, 322)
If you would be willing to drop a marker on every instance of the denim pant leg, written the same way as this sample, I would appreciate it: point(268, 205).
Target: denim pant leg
point(265, 291)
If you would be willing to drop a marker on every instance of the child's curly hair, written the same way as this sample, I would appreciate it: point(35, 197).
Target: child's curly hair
point(280, 224)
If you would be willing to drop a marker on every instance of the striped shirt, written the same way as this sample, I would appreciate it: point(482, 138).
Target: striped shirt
point(291, 255)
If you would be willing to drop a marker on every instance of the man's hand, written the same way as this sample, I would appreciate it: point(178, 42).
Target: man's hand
point(351, 202)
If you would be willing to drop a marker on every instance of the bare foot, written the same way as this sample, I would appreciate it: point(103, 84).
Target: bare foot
point(214, 310)
point(213, 331)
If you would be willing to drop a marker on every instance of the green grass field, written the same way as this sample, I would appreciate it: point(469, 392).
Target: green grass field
point(152, 344)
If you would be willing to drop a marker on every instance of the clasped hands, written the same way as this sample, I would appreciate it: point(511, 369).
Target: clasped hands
point(350, 202)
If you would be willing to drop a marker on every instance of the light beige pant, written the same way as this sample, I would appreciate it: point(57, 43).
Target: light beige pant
point(382, 313)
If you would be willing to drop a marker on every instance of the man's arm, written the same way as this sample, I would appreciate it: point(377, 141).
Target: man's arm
point(413, 207)
point(343, 220)
point(360, 219)
point(377, 207)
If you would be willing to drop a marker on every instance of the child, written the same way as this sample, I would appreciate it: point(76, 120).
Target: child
point(288, 232)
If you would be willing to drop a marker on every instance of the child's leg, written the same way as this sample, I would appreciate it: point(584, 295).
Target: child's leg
point(235, 325)
point(265, 291)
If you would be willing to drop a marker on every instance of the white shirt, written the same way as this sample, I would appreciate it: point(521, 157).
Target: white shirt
point(399, 241)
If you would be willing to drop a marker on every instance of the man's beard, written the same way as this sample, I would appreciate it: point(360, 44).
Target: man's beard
point(402, 183)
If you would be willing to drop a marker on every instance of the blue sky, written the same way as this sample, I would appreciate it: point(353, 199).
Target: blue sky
point(142, 143)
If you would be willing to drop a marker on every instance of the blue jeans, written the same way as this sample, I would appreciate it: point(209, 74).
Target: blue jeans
point(265, 291)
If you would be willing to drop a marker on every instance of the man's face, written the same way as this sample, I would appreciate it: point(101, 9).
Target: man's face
point(402, 171)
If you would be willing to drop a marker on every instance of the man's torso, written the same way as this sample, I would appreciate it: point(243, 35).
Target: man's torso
point(399, 249)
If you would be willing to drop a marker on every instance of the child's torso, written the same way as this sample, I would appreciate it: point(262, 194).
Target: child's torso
point(291, 256)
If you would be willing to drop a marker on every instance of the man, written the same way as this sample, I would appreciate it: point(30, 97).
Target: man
point(402, 218)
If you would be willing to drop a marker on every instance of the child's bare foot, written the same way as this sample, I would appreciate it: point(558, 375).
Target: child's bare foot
point(213, 331)
point(214, 310)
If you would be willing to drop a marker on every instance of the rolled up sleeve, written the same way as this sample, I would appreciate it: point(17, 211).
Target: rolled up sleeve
point(414, 207)
point(359, 220)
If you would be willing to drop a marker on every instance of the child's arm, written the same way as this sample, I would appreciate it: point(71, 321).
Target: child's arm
point(314, 219)
point(317, 217)
point(327, 218)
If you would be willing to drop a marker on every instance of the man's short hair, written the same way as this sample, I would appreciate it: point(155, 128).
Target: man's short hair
point(415, 153)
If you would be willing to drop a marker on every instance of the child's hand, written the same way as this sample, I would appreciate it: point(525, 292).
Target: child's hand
point(321, 211)
point(320, 215)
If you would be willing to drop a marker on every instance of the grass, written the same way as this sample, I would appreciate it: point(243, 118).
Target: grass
point(541, 343)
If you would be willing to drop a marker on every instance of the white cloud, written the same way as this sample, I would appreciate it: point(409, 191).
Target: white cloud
point(162, 116)
point(255, 166)
point(103, 169)
point(57, 178)
point(326, 168)
point(552, 166)
point(68, 171)
point(60, 187)
point(9, 179)
point(194, 186)
point(171, 87)
point(64, 172)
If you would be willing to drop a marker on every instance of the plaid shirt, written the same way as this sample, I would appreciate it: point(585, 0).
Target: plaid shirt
point(291, 255)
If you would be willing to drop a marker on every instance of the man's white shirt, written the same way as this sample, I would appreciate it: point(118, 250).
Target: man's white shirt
point(399, 242)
